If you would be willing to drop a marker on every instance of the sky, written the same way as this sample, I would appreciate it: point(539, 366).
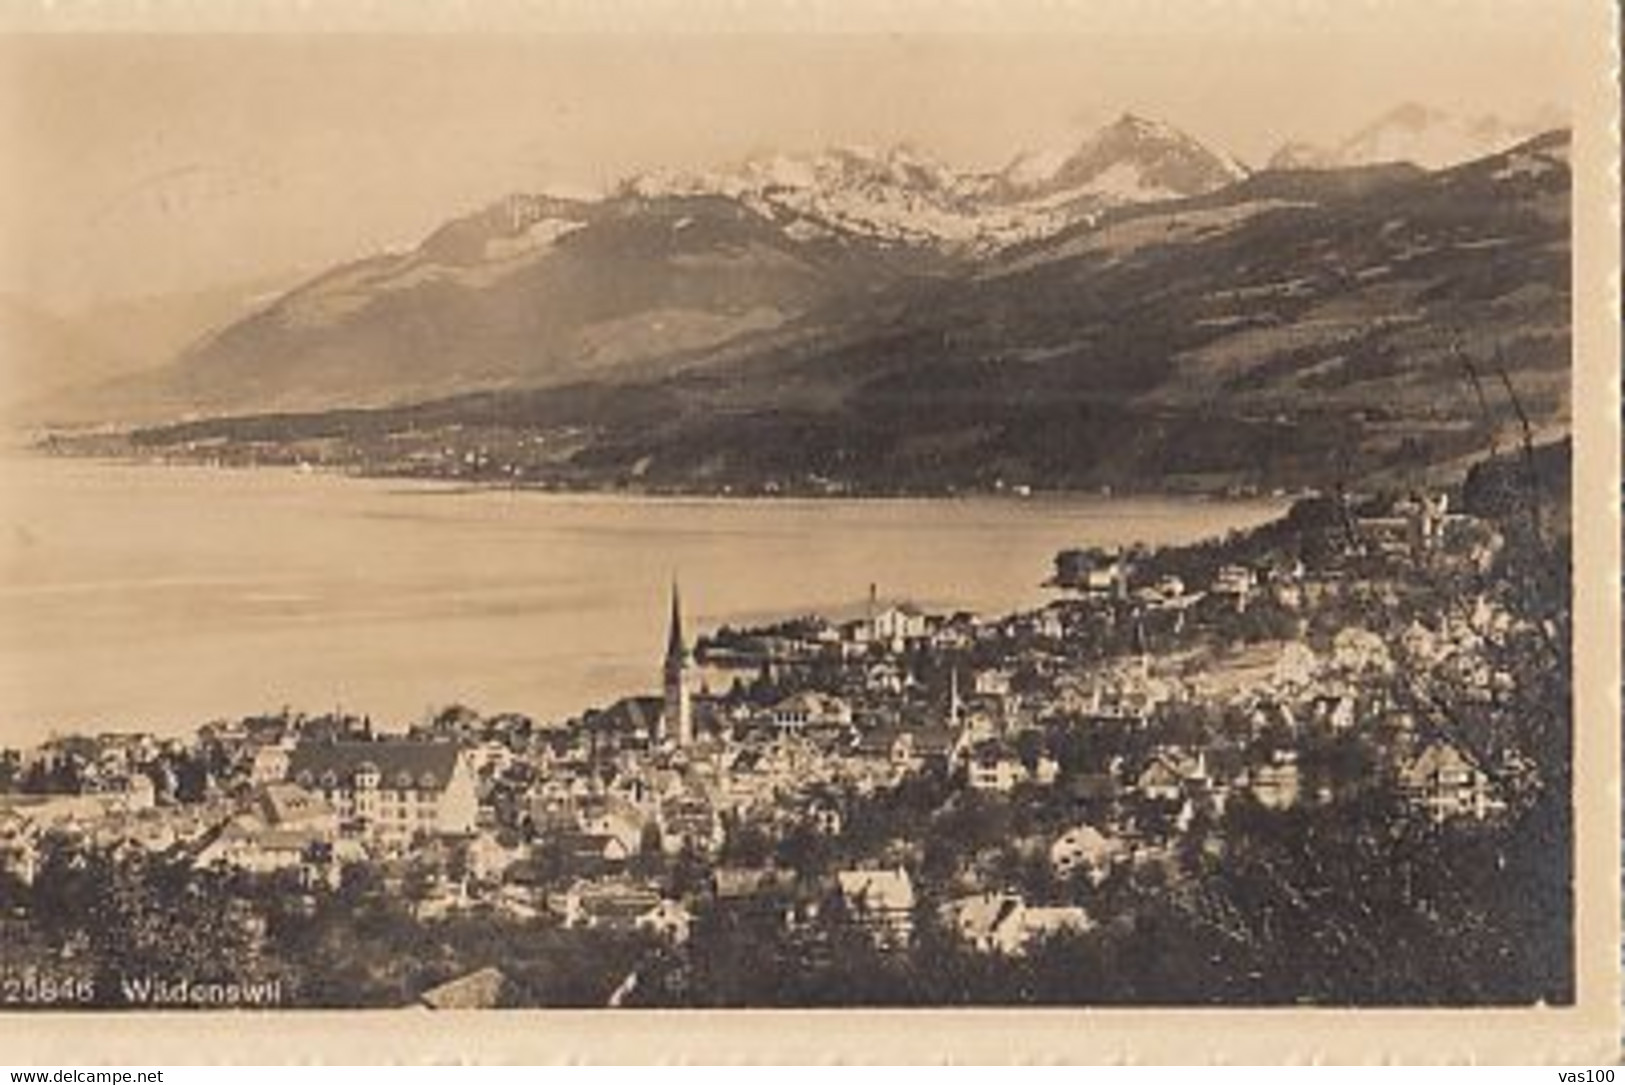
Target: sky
point(138, 165)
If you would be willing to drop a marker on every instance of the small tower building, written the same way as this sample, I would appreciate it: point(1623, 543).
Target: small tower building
point(677, 718)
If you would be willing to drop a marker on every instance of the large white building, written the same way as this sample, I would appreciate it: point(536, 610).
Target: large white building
point(898, 625)
point(391, 792)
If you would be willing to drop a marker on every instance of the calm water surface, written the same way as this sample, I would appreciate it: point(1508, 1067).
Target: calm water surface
point(160, 597)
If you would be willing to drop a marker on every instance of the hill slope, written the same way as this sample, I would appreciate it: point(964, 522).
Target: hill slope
point(529, 292)
point(1291, 329)
point(536, 291)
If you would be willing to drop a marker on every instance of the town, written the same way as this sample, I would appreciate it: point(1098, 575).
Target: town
point(1325, 761)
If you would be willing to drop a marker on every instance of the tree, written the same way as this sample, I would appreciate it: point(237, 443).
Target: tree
point(147, 916)
point(651, 856)
point(806, 851)
point(745, 843)
point(689, 871)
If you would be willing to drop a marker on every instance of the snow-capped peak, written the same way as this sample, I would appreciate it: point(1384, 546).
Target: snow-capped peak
point(896, 194)
point(782, 171)
point(657, 183)
point(1419, 134)
point(1147, 128)
point(903, 195)
point(1133, 158)
point(849, 167)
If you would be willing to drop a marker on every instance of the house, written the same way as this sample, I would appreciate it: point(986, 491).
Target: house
point(885, 677)
point(824, 814)
point(1169, 589)
point(1040, 922)
point(883, 743)
point(391, 792)
point(152, 831)
point(1390, 536)
point(768, 894)
point(907, 750)
point(1234, 583)
point(518, 901)
point(1045, 624)
point(592, 853)
point(609, 905)
point(248, 844)
point(1333, 710)
point(898, 625)
point(283, 827)
point(809, 709)
point(19, 853)
point(1004, 924)
point(668, 920)
point(489, 759)
point(934, 743)
point(1276, 785)
point(155, 830)
point(1094, 572)
point(1161, 780)
point(995, 767)
point(1268, 714)
point(287, 805)
point(1413, 528)
point(987, 922)
point(1447, 782)
point(549, 809)
point(60, 811)
point(486, 859)
point(1288, 594)
point(481, 990)
point(133, 790)
point(1084, 849)
point(118, 753)
point(880, 900)
point(982, 723)
point(689, 821)
point(270, 764)
point(611, 818)
point(956, 634)
point(751, 885)
point(992, 682)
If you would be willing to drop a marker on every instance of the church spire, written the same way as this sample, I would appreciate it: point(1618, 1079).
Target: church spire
point(676, 646)
point(677, 718)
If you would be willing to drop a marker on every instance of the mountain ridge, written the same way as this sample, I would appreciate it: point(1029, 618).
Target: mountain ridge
point(1287, 330)
point(1418, 134)
point(538, 289)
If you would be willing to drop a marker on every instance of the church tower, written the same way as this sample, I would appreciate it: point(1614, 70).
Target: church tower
point(677, 721)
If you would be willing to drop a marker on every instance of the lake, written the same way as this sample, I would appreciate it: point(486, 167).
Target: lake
point(156, 598)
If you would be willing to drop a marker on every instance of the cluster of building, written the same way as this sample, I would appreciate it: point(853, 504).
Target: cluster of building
point(585, 821)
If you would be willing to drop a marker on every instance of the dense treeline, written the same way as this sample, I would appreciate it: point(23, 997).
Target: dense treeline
point(1353, 904)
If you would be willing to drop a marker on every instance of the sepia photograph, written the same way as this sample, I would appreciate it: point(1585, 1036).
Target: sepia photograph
point(727, 519)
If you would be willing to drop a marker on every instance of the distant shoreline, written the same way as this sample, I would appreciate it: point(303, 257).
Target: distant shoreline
point(70, 448)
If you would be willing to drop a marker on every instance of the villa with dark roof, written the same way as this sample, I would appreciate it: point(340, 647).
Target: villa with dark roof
point(392, 792)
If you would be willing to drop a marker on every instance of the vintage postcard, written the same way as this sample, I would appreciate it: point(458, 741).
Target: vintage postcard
point(1034, 532)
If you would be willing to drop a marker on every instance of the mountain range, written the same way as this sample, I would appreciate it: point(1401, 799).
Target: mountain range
point(537, 290)
point(1138, 311)
point(1419, 135)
